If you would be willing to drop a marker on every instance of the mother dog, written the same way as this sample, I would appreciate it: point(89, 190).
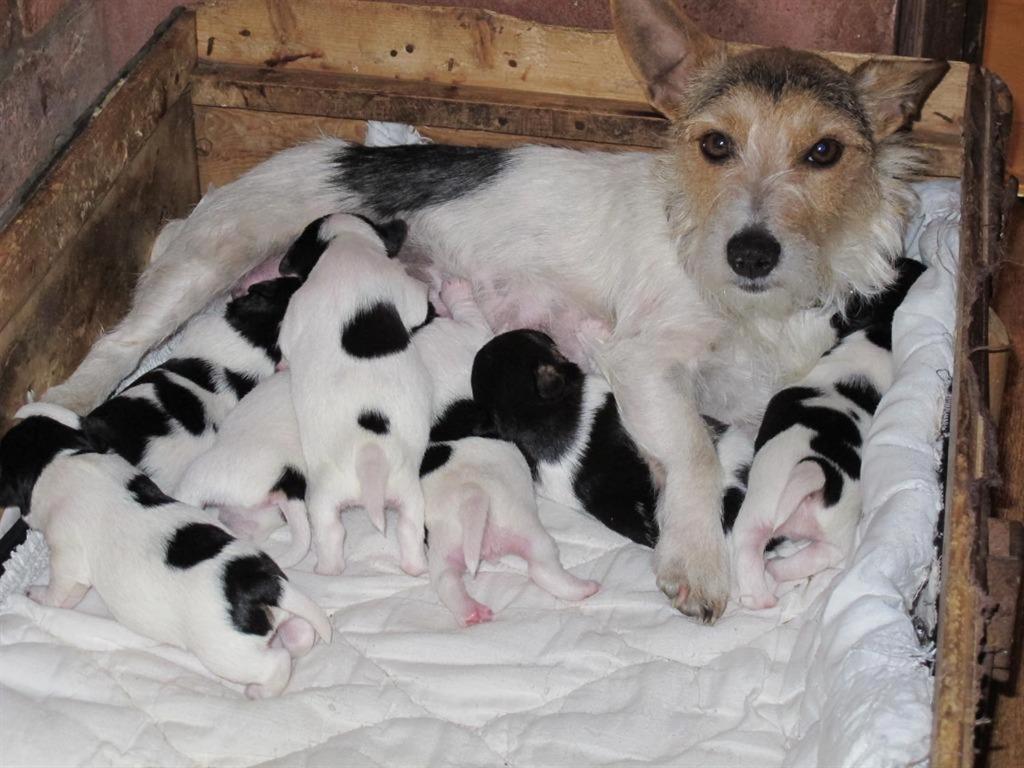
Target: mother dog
point(716, 263)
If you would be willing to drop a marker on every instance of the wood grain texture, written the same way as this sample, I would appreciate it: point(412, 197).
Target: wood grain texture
point(90, 283)
point(962, 611)
point(70, 191)
point(469, 49)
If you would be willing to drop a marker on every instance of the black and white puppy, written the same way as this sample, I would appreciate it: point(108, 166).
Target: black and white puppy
point(567, 425)
point(362, 396)
point(168, 416)
point(164, 569)
point(804, 483)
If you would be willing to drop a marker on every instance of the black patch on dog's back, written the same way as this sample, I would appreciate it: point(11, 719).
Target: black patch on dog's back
point(461, 418)
point(613, 482)
point(127, 424)
point(375, 331)
point(861, 392)
point(408, 178)
point(146, 492)
point(436, 455)
point(195, 542)
point(391, 233)
point(292, 484)
point(257, 315)
point(305, 251)
point(374, 421)
point(180, 403)
point(196, 370)
point(833, 489)
point(26, 450)
point(252, 585)
point(241, 383)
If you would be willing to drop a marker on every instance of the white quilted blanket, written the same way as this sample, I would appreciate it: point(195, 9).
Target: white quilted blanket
point(833, 675)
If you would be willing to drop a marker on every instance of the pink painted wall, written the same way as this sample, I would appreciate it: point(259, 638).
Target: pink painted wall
point(57, 56)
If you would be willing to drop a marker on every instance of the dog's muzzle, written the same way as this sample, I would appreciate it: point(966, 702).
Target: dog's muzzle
point(753, 253)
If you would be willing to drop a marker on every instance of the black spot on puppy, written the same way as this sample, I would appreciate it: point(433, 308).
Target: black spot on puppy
point(431, 317)
point(26, 450)
point(256, 316)
point(252, 585)
point(833, 489)
point(407, 178)
point(861, 392)
point(181, 404)
point(374, 421)
point(436, 455)
point(391, 233)
point(732, 500)
point(198, 371)
point(195, 542)
point(146, 492)
point(462, 418)
point(305, 251)
point(127, 424)
point(875, 313)
point(375, 331)
point(240, 383)
point(292, 484)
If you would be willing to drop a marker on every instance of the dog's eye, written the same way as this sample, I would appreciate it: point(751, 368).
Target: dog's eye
point(824, 153)
point(716, 146)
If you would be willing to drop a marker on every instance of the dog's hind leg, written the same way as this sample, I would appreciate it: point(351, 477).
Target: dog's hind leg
point(230, 231)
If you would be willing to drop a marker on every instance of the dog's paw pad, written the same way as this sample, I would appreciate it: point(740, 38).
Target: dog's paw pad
point(479, 614)
point(455, 290)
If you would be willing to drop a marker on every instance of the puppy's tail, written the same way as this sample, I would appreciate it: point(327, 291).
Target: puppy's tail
point(298, 604)
point(297, 517)
point(780, 476)
point(372, 471)
point(474, 506)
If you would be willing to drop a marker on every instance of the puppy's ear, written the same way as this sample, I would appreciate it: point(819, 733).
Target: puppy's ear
point(550, 381)
point(306, 251)
point(893, 92)
point(663, 47)
point(391, 233)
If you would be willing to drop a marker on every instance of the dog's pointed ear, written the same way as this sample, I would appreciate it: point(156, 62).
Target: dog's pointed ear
point(893, 92)
point(305, 252)
point(663, 47)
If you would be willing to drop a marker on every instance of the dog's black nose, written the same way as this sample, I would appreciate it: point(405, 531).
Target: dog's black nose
point(753, 252)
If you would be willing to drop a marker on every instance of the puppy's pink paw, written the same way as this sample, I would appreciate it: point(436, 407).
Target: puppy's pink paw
point(296, 635)
point(455, 290)
point(478, 614)
point(759, 602)
point(589, 588)
point(330, 568)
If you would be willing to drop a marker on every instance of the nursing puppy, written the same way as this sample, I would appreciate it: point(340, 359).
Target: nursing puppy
point(165, 418)
point(164, 569)
point(481, 506)
point(361, 393)
point(256, 472)
point(782, 190)
point(804, 483)
point(567, 425)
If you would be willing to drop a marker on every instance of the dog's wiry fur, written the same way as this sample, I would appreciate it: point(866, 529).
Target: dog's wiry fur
point(551, 236)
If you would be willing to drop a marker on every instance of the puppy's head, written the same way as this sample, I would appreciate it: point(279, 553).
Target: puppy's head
point(29, 447)
point(308, 247)
point(531, 392)
point(787, 175)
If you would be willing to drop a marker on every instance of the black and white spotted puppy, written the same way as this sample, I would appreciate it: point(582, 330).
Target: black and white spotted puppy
point(361, 393)
point(164, 569)
point(165, 418)
point(568, 427)
point(255, 473)
point(804, 483)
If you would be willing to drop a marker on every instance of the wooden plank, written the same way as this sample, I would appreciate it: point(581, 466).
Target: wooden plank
point(231, 141)
point(545, 118)
point(1004, 30)
point(90, 283)
point(70, 191)
point(962, 610)
point(461, 47)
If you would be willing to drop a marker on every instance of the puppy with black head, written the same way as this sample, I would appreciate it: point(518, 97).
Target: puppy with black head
point(164, 569)
point(804, 483)
point(362, 396)
point(567, 425)
point(165, 418)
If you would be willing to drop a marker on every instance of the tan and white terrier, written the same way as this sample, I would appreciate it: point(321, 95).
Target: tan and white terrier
point(716, 263)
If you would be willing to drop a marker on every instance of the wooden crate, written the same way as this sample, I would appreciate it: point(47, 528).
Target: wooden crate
point(223, 87)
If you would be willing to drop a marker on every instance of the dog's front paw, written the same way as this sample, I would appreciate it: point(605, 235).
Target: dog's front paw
point(698, 586)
